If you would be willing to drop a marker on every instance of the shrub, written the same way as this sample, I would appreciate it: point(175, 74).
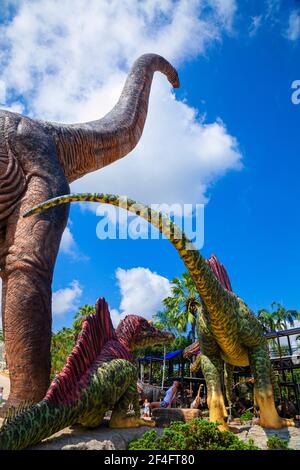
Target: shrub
point(198, 434)
point(246, 416)
point(276, 443)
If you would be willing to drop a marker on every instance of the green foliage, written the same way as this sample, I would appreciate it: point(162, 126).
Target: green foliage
point(1, 336)
point(275, 443)
point(198, 434)
point(180, 308)
point(246, 416)
point(80, 316)
point(63, 341)
point(62, 344)
point(277, 319)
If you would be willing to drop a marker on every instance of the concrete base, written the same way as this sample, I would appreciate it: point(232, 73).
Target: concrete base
point(102, 438)
point(164, 416)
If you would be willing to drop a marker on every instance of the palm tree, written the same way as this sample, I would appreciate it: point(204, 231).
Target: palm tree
point(79, 318)
point(62, 344)
point(278, 319)
point(181, 307)
point(162, 321)
point(284, 318)
point(266, 319)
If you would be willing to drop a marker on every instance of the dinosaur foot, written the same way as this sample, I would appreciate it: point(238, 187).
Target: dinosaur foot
point(277, 423)
point(130, 422)
point(223, 427)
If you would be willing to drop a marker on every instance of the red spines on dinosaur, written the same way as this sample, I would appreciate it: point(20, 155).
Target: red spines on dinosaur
point(220, 272)
point(96, 331)
point(98, 342)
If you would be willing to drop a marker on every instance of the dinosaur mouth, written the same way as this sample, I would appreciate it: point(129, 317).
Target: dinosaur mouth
point(158, 336)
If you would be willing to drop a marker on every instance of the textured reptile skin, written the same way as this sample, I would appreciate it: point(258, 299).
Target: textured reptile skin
point(227, 329)
point(99, 375)
point(38, 160)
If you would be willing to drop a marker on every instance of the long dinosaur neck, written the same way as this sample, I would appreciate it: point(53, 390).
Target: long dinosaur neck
point(209, 288)
point(83, 148)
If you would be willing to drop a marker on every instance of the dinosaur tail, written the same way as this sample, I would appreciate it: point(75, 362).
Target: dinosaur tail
point(205, 280)
point(34, 424)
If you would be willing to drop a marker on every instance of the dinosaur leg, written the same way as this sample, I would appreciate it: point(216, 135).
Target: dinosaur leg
point(212, 368)
point(228, 381)
point(264, 397)
point(196, 365)
point(32, 246)
point(119, 417)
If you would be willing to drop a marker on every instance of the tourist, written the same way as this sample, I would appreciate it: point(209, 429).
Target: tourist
point(146, 410)
point(169, 396)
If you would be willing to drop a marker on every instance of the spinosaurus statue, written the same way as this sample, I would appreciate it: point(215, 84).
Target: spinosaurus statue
point(99, 375)
point(228, 331)
point(38, 160)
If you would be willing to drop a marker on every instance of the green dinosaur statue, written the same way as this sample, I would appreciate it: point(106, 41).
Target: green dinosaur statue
point(99, 375)
point(228, 330)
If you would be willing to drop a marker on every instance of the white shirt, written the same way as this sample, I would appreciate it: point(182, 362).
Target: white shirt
point(168, 395)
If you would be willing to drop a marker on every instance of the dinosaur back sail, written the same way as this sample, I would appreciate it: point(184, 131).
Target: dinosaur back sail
point(96, 331)
point(220, 272)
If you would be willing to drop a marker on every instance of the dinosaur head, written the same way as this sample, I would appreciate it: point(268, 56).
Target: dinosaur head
point(137, 332)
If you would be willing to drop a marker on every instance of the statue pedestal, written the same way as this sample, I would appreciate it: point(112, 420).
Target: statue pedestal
point(164, 416)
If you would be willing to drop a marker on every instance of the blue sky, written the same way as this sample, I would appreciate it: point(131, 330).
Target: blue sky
point(236, 62)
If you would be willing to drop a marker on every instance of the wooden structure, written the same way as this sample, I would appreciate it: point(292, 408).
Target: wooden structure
point(284, 357)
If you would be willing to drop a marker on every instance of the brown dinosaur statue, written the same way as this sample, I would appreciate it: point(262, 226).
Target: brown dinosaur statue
point(38, 160)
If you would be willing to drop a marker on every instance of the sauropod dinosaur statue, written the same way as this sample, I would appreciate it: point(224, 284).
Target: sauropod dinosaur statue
point(228, 331)
point(38, 160)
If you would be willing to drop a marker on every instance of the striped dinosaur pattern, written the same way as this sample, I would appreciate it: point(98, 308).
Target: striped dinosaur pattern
point(99, 375)
point(38, 160)
point(12, 179)
point(228, 331)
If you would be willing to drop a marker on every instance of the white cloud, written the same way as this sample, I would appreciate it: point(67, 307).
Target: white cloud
point(70, 61)
point(68, 244)
point(2, 91)
point(293, 30)
point(142, 292)
point(176, 160)
point(256, 23)
point(67, 299)
point(273, 8)
point(69, 247)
